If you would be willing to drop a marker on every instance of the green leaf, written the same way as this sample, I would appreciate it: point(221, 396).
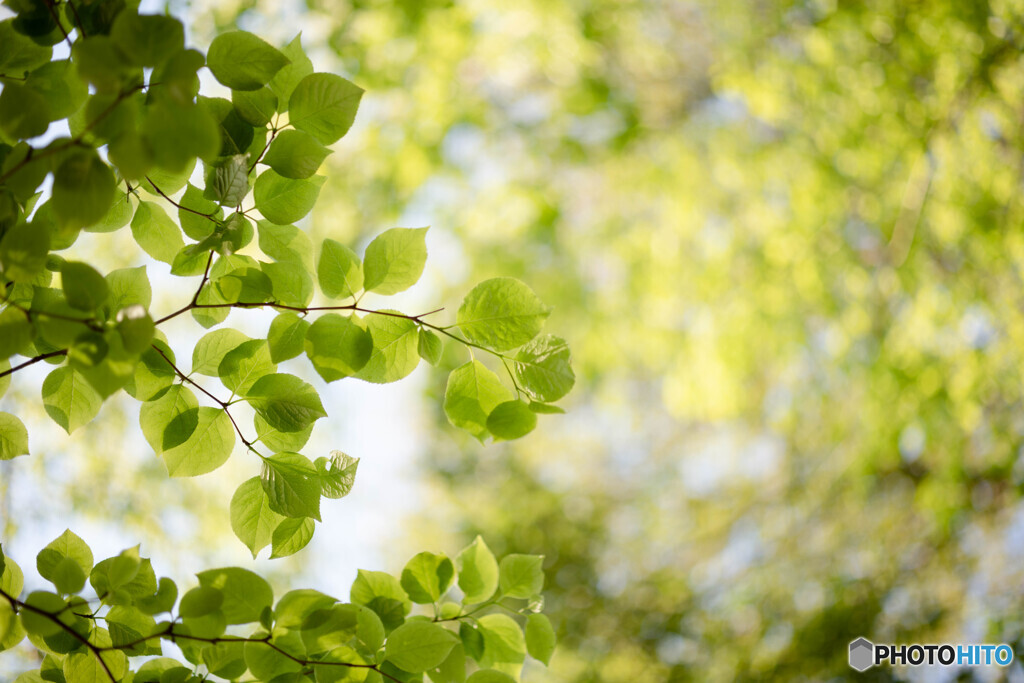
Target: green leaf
point(188, 261)
point(252, 520)
point(280, 441)
point(291, 283)
point(236, 135)
point(291, 536)
point(478, 572)
point(200, 601)
point(130, 154)
point(103, 361)
point(118, 215)
point(426, 577)
point(286, 337)
point(245, 364)
point(294, 154)
point(286, 243)
point(292, 485)
point(171, 419)
point(128, 625)
point(338, 346)
point(244, 285)
point(24, 174)
point(417, 646)
point(83, 189)
point(207, 447)
point(472, 393)
point(452, 669)
point(115, 572)
point(504, 645)
point(169, 182)
point(5, 384)
point(228, 238)
point(211, 349)
point(81, 667)
point(243, 61)
point(13, 437)
point(522, 576)
point(176, 134)
point(208, 317)
point(333, 628)
point(177, 77)
point(501, 314)
point(23, 251)
point(337, 474)
point(19, 54)
point(246, 594)
point(34, 620)
point(151, 671)
point(156, 233)
point(60, 87)
point(198, 216)
point(127, 287)
point(429, 347)
point(16, 332)
point(324, 105)
point(153, 374)
point(227, 181)
point(490, 676)
point(84, 288)
point(226, 660)
point(135, 328)
point(383, 594)
point(545, 409)
point(543, 368)
point(284, 81)
point(65, 561)
point(339, 270)
point(511, 420)
point(394, 260)
point(540, 638)
point(294, 606)
point(256, 107)
point(24, 113)
point(147, 39)
point(286, 402)
point(285, 200)
point(61, 326)
point(265, 663)
point(69, 399)
point(395, 348)
point(162, 601)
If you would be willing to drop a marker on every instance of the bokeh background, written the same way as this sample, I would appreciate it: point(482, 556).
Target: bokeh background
point(783, 239)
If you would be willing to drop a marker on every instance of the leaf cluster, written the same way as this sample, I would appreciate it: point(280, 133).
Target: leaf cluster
point(230, 627)
point(140, 134)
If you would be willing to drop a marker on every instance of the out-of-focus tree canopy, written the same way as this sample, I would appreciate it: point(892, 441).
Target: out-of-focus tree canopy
point(785, 241)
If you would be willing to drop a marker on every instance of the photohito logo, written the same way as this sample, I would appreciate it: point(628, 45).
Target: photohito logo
point(864, 654)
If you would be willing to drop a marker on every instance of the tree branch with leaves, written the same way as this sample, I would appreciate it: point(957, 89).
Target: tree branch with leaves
point(139, 133)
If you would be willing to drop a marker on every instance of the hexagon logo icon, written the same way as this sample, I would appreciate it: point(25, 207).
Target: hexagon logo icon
point(862, 654)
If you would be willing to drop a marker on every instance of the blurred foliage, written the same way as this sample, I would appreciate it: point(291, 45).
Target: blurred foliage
point(783, 239)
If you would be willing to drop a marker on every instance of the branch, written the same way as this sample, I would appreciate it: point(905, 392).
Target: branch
point(169, 634)
point(78, 19)
point(32, 361)
point(54, 617)
point(160, 192)
point(56, 19)
point(78, 139)
point(223, 404)
point(273, 134)
point(418, 319)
